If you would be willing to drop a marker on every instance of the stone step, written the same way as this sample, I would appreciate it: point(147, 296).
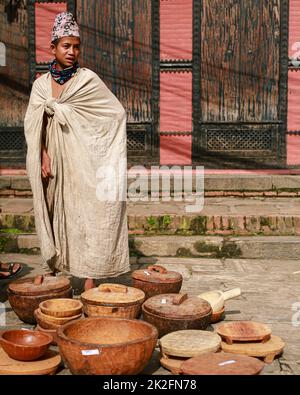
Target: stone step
point(250, 183)
point(253, 247)
point(223, 216)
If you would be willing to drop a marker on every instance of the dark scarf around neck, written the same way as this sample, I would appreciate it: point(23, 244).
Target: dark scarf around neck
point(62, 76)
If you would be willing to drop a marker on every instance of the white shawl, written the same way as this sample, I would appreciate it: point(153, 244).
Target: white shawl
point(80, 230)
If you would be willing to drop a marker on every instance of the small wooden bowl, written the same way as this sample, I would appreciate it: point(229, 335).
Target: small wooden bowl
point(25, 345)
point(61, 308)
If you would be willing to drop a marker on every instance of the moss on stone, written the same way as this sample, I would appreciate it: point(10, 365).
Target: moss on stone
point(184, 252)
point(203, 247)
point(230, 250)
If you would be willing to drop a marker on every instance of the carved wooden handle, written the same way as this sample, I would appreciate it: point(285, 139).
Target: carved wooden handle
point(178, 299)
point(38, 280)
point(157, 269)
point(113, 288)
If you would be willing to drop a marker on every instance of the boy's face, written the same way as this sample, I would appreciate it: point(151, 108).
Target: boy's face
point(66, 52)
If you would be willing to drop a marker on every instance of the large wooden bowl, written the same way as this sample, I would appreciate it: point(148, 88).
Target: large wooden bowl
point(25, 345)
point(106, 345)
point(61, 308)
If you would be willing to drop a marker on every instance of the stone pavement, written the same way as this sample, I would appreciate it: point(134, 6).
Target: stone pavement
point(270, 294)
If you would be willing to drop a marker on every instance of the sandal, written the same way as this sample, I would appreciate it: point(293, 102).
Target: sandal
point(10, 270)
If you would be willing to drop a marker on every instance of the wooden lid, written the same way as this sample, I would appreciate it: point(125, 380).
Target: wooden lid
point(39, 285)
point(222, 364)
point(44, 365)
point(156, 274)
point(177, 306)
point(244, 331)
point(189, 343)
point(113, 295)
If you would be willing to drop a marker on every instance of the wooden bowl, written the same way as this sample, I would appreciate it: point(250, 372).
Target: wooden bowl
point(25, 345)
point(46, 323)
point(49, 319)
point(51, 332)
point(106, 345)
point(61, 308)
point(42, 323)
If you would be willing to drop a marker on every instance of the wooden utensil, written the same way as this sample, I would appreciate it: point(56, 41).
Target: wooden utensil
point(156, 280)
point(268, 350)
point(218, 316)
point(189, 343)
point(244, 331)
point(222, 364)
point(47, 365)
point(217, 298)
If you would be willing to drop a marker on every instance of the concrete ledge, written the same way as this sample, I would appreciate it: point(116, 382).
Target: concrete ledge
point(211, 247)
point(212, 182)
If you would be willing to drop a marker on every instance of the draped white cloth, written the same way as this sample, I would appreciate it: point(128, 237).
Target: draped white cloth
point(82, 228)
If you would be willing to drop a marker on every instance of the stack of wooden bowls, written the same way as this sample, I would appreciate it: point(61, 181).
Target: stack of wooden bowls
point(54, 313)
point(249, 338)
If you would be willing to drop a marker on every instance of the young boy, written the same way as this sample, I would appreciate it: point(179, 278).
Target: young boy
point(75, 130)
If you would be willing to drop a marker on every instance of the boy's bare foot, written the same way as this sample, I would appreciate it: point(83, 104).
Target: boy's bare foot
point(89, 284)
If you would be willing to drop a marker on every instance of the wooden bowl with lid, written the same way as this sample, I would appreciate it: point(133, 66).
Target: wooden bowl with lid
point(106, 345)
point(114, 300)
point(26, 294)
point(175, 312)
point(156, 280)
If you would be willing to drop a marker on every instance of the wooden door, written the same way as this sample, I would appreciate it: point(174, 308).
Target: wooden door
point(240, 82)
point(117, 42)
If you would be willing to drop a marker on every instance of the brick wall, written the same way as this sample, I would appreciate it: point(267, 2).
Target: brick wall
point(293, 140)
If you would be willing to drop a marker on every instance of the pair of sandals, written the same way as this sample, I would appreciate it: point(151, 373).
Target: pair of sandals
point(11, 270)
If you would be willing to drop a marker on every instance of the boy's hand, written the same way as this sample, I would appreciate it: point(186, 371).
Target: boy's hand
point(46, 165)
